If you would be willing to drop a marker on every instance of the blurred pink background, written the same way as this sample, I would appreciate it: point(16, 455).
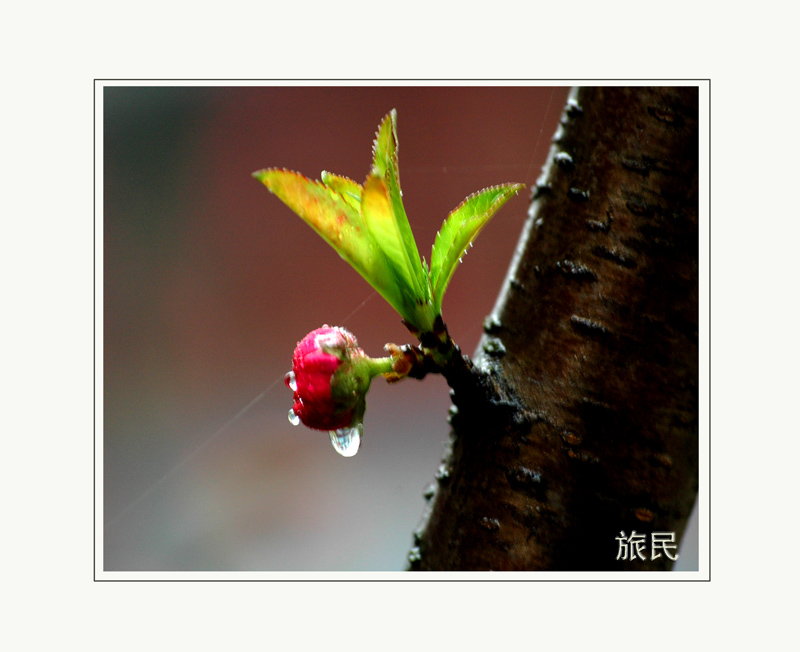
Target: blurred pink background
point(210, 281)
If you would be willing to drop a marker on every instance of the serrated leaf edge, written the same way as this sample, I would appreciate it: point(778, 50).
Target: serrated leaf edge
point(440, 277)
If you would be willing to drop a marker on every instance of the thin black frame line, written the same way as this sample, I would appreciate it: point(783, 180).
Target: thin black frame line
point(94, 385)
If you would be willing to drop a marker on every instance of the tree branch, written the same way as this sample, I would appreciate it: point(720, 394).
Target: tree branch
point(579, 419)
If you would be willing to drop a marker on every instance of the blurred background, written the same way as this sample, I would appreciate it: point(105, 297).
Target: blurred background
point(210, 281)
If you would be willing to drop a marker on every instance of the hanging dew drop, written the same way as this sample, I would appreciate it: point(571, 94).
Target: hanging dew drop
point(346, 441)
point(290, 381)
point(293, 418)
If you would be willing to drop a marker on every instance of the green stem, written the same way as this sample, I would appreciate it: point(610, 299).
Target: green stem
point(379, 366)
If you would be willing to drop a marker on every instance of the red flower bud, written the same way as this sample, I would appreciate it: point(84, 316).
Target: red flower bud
point(330, 377)
point(319, 401)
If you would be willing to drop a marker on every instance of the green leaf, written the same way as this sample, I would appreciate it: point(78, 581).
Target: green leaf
point(398, 239)
point(333, 210)
point(381, 221)
point(346, 188)
point(459, 230)
point(325, 210)
point(384, 147)
point(369, 228)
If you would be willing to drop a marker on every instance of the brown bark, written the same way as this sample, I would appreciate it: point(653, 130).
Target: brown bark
point(580, 417)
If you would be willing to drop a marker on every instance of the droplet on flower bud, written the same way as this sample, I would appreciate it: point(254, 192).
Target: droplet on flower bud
point(346, 441)
point(293, 418)
point(290, 381)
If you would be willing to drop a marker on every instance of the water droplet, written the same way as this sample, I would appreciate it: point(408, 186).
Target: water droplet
point(346, 441)
point(290, 381)
point(293, 418)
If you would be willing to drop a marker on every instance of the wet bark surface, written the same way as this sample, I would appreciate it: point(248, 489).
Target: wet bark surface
point(579, 420)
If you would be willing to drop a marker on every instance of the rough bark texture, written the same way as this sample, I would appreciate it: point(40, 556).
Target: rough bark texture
point(580, 417)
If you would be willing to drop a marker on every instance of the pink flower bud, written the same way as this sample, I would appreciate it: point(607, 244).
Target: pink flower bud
point(328, 387)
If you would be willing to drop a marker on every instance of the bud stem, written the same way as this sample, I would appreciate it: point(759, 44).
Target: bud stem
point(379, 366)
